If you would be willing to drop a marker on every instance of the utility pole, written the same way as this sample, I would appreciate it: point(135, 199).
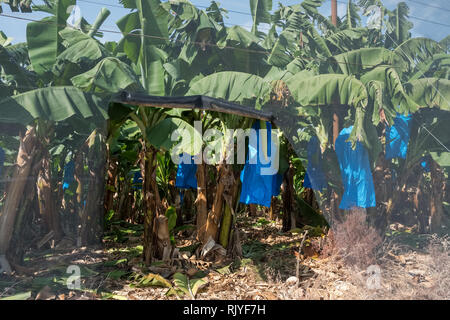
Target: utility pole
point(334, 200)
point(335, 105)
point(334, 12)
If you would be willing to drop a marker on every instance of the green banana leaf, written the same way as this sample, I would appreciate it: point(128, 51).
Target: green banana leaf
point(237, 35)
point(82, 49)
point(43, 39)
point(392, 90)
point(53, 104)
point(154, 21)
point(415, 51)
point(278, 56)
point(110, 75)
point(430, 93)
point(160, 136)
point(12, 71)
point(260, 10)
point(398, 26)
point(233, 86)
point(358, 61)
point(328, 89)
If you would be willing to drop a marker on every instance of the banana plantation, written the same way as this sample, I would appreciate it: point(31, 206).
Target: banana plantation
point(191, 149)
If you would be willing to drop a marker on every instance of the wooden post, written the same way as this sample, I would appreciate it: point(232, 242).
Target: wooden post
point(335, 115)
point(334, 203)
point(334, 12)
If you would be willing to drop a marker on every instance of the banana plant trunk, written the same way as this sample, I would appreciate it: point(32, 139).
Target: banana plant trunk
point(113, 168)
point(47, 204)
point(154, 222)
point(287, 194)
point(28, 154)
point(224, 184)
point(273, 209)
point(201, 202)
point(79, 198)
point(382, 177)
point(122, 191)
point(127, 202)
point(149, 204)
point(252, 210)
point(22, 238)
point(57, 184)
point(437, 196)
point(92, 215)
point(227, 220)
point(225, 226)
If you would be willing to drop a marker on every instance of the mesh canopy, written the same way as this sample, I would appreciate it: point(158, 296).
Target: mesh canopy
point(338, 119)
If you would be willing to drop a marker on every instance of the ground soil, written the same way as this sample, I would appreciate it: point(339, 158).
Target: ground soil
point(114, 270)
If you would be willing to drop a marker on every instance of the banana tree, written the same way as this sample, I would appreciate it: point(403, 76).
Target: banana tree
point(145, 54)
point(47, 45)
point(238, 87)
point(429, 141)
point(425, 83)
point(380, 72)
point(383, 73)
point(56, 105)
point(26, 67)
point(145, 31)
point(394, 23)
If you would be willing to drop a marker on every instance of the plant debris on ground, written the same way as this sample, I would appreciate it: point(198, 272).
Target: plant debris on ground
point(265, 272)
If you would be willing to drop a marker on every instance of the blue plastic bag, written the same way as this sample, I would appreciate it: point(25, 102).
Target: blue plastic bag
point(258, 188)
point(314, 177)
point(137, 180)
point(397, 137)
point(357, 177)
point(424, 164)
point(186, 175)
point(69, 172)
point(2, 160)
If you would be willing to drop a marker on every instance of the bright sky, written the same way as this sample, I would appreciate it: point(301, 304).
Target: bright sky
point(435, 11)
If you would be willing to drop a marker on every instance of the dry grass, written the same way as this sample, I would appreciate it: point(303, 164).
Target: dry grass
point(356, 265)
point(353, 241)
point(438, 269)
